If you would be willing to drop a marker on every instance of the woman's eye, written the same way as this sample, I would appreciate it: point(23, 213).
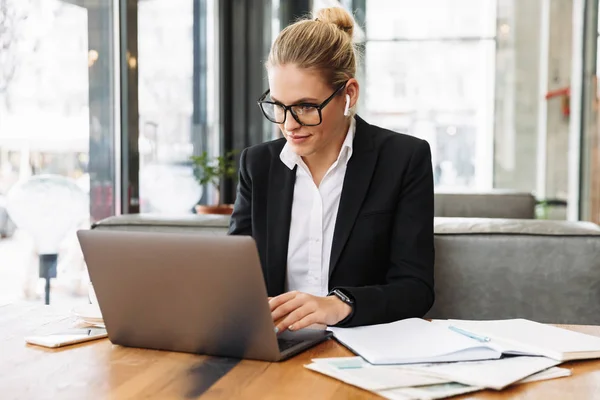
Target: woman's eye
point(304, 110)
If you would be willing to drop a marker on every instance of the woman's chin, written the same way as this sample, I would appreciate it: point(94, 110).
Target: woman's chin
point(302, 151)
point(302, 148)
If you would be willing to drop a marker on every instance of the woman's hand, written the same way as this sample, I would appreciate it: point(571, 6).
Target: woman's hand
point(297, 310)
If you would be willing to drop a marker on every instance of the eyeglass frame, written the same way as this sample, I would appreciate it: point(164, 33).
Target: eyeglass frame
point(319, 107)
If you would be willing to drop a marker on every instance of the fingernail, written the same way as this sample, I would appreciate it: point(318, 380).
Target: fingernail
point(291, 328)
point(276, 330)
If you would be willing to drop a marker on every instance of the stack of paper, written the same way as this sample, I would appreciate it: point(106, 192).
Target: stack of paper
point(89, 315)
point(493, 374)
point(357, 372)
point(416, 359)
point(433, 381)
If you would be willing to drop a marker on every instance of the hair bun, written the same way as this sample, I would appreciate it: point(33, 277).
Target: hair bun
point(337, 16)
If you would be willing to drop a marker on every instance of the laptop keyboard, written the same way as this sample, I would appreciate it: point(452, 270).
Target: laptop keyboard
point(285, 344)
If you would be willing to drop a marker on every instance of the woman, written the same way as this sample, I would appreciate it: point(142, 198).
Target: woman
point(341, 211)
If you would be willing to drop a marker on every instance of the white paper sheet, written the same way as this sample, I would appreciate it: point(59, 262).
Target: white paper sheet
point(493, 374)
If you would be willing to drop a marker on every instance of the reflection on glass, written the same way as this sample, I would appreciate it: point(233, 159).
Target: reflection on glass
point(165, 66)
point(430, 19)
point(56, 117)
point(169, 189)
point(44, 105)
point(441, 92)
point(48, 207)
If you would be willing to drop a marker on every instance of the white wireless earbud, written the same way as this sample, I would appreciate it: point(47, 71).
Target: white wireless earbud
point(347, 109)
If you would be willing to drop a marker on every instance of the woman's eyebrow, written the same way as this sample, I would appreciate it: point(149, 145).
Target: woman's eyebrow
point(302, 100)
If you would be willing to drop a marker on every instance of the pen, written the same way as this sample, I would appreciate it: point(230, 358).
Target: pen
point(469, 334)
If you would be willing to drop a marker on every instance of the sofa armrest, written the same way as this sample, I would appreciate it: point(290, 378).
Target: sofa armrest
point(492, 204)
point(547, 271)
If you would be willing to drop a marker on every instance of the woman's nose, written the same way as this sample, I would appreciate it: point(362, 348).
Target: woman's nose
point(290, 122)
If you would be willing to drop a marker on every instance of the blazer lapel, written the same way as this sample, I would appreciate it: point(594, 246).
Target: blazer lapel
point(279, 215)
point(356, 184)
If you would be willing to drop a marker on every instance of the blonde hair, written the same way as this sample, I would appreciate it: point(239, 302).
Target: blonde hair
point(323, 44)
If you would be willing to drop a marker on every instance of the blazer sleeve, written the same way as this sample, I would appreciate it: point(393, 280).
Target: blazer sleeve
point(409, 288)
point(241, 219)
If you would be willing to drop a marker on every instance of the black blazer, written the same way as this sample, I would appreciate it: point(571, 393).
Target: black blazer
point(382, 252)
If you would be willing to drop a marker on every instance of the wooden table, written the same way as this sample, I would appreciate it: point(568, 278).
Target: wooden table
point(101, 370)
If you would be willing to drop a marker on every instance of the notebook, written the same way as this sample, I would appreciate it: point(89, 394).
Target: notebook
point(522, 336)
point(412, 340)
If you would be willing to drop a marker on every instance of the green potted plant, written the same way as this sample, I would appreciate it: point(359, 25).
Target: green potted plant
point(211, 171)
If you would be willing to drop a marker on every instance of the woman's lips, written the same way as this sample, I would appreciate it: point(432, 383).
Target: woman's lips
point(297, 139)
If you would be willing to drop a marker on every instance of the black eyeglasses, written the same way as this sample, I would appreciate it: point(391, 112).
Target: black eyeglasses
point(305, 114)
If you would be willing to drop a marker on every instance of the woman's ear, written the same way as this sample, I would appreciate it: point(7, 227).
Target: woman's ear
point(352, 91)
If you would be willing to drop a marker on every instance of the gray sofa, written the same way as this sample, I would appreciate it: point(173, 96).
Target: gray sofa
point(496, 203)
point(548, 271)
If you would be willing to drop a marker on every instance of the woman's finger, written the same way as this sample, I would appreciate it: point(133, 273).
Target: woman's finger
point(282, 298)
point(286, 308)
point(308, 320)
point(294, 317)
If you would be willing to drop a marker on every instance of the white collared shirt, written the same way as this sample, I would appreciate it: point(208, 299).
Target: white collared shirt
point(314, 212)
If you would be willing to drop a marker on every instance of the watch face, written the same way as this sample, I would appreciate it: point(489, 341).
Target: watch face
point(342, 297)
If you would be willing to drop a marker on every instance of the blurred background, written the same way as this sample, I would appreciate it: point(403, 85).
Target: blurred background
point(115, 96)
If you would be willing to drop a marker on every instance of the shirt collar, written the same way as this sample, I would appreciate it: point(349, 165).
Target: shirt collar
point(291, 159)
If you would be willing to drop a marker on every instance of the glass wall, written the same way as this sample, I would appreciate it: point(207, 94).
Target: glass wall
point(590, 193)
point(592, 145)
point(430, 73)
point(471, 77)
point(175, 41)
point(57, 121)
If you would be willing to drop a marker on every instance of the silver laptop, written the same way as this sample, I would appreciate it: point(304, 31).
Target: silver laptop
point(187, 293)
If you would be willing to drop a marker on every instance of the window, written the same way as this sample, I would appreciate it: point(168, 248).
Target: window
point(57, 117)
point(430, 73)
point(174, 39)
